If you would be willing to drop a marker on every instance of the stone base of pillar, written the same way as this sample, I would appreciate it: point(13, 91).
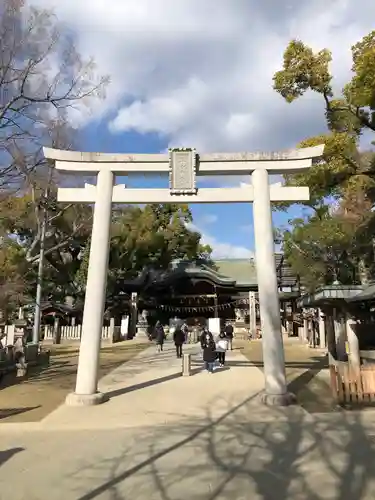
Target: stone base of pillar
point(74, 399)
point(286, 399)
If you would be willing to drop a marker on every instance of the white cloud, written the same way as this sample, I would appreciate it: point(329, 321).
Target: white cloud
point(208, 219)
point(200, 73)
point(222, 250)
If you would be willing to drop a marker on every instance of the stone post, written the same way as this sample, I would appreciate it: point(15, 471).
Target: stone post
point(186, 365)
point(305, 335)
point(124, 329)
point(10, 335)
point(273, 348)
point(340, 335)
point(252, 315)
point(112, 330)
point(56, 330)
point(288, 328)
point(87, 374)
point(322, 330)
point(132, 327)
point(353, 344)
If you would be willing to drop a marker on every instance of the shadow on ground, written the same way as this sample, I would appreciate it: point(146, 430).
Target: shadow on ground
point(232, 457)
point(148, 383)
point(63, 364)
point(248, 452)
point(6, 455)
point(31, 398)
point(308, 377)
point(9, 412)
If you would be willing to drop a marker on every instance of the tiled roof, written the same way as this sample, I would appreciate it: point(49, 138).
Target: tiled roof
point(225, 272)
point(184, 269)
point(243, 271)
point(367, 293)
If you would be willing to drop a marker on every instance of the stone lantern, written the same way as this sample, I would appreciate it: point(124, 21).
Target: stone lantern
point(142, 325)
point(19, 354)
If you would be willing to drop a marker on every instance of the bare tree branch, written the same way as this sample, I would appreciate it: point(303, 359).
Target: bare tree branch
point(42, 76)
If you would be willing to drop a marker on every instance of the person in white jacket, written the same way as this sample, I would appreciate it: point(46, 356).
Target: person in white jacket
point(221, 348)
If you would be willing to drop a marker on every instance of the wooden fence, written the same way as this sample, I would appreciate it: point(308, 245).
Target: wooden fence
point(350, 386)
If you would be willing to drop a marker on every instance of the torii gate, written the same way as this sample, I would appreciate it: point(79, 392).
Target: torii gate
point(183, 166)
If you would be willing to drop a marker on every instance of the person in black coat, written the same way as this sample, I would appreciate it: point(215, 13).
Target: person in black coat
point(203, 336)
point(159, 336)
point(179, 339)
point(229, 335)
point(209, 351)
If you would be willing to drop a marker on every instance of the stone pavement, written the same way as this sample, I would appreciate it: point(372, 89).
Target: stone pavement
point(149, 390)
point(164, 437)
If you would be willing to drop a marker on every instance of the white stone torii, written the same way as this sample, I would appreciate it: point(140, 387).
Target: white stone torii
point(183, 166)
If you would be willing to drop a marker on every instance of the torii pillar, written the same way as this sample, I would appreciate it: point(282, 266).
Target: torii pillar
point(86, 392)
point(183, 164)
point(273, 349)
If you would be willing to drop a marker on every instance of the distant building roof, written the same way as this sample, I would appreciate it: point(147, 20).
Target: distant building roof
point(330, 294)
point(242, 271)
point(365, 295)
point(191, 269)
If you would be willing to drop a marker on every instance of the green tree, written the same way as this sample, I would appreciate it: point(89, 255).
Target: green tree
point(319, 248)
point(152, 236)
point(13, 279)
point(68, 228)
point(346, 174)
point(305, 70)
point(343, 167)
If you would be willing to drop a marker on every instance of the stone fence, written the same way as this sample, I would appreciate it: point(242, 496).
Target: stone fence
point(75, 332)
point(49, 333)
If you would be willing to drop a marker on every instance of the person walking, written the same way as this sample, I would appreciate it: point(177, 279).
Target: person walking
point(221, 348)
point(179, 339)
point(159, 336)
point(209, 351)
point(185, 329)
point(229, 335)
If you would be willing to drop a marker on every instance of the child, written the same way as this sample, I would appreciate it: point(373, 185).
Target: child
point(221, 348)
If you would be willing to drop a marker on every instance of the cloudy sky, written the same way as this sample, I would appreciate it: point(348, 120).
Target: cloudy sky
point(198, 73)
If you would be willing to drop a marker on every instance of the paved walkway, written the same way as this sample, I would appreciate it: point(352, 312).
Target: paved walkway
point(149, 390)
point(164, 437)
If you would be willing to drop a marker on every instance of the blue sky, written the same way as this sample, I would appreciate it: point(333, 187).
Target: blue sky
point(199, 74)
point(227, 227)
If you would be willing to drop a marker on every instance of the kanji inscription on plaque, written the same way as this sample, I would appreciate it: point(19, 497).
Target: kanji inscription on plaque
point(182, 171)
